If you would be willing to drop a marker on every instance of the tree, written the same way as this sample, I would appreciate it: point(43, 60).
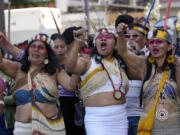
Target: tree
point(14, 1)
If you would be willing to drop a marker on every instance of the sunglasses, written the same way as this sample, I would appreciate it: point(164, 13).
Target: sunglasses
point(156, 41)
point(106, 36)
point(131, 35)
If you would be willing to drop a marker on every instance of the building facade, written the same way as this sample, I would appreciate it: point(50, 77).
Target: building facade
point(175, 7)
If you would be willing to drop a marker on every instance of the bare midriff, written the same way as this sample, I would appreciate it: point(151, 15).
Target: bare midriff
point(23, 113)
point(50, 110)
point(103, 99)
point(148, 105)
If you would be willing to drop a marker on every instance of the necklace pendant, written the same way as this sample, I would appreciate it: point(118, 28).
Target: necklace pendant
point(117, 94)
point(162, 114)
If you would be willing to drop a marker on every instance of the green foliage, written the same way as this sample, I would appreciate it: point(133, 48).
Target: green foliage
point(24, 3)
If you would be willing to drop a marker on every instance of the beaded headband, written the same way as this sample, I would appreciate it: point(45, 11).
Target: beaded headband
point(163, 35)
point(42, 38)
point(106, 30)
point(140, 29)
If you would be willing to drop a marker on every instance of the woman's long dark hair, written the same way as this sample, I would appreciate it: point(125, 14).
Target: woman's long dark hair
point(50, 68)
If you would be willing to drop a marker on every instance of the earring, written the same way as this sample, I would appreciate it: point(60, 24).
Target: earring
point(151, 59)
point(170, 59)
point(46, 61)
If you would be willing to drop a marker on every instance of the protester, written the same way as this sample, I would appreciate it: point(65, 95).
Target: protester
point(4, 127)
point(35, 90)
point(10, 105)
point(133, 38)
point(103, 84)
point(67, 98)
point(160, 74)
point(3, 130)
point(69, 37)
point(136, 37)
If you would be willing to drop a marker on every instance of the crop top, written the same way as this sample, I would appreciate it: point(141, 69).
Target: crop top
point(22, 97)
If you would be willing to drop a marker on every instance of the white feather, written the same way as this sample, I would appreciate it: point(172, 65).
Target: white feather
point(172, 29)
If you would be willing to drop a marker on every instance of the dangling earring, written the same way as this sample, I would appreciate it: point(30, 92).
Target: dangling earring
point(170, 59)
point(46, 61)
point(151, 59)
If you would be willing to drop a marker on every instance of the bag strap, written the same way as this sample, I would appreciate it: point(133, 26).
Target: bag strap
point(145, 127)
point(33, 98)
point(38, 108)
point(24, 80)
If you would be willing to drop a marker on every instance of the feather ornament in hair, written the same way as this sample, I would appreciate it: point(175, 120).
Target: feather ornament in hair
point(55, 21)
point(167, 15)
point(147, 18)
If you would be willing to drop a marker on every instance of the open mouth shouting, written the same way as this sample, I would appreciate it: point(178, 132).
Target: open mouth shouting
point(103, 46)
point(155, 51)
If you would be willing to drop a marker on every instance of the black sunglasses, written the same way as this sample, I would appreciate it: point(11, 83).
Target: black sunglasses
point(131, 35)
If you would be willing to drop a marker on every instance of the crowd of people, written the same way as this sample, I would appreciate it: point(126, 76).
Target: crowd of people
point(128, 81)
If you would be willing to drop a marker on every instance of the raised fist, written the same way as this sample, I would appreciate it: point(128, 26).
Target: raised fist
point(80, 35)
point(121, 28)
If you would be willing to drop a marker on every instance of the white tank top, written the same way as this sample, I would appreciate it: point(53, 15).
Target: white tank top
point(133, 98)
point(108, 86)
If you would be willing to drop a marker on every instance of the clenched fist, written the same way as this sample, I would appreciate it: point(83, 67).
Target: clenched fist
point(121, 28)
point(80, 35)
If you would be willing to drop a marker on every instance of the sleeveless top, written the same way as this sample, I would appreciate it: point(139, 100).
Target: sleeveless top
point(133, 98)
point(22, 97)
point(169, 92)
point(96, 80)
point(170, 97)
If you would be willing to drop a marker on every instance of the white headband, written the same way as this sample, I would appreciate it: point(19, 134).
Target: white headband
point(106, 30)
point(42, 38)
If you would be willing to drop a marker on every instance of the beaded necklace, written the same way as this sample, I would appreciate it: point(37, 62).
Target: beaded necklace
point(117, 92)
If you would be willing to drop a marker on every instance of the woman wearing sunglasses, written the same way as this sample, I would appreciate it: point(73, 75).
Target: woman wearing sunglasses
point(103, 84)
point(160, 73)
point(136, 37)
